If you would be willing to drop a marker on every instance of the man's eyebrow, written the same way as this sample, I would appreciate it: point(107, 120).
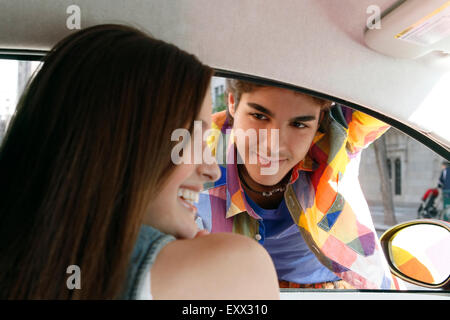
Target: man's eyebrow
point(260, 108)
point(304, 118)
point(271, 114)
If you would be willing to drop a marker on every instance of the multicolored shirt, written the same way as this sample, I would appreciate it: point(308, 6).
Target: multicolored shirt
point(323, 196)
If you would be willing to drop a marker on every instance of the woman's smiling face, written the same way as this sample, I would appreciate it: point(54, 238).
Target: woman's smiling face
point(293, 116)
point(173, 211)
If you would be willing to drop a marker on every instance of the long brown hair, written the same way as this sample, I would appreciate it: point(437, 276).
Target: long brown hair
point(88, 148)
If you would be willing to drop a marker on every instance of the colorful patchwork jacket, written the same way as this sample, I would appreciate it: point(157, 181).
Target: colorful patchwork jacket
point(323, 196)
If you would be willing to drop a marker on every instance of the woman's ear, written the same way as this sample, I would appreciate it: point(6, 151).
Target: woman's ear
point(231, 104)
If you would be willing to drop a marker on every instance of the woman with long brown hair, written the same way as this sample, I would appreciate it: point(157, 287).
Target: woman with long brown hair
point(87, 180)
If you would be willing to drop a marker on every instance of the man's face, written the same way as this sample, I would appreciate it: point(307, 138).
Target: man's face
point(295, 116)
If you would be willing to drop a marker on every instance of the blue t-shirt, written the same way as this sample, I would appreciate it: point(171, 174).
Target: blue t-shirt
point(293, 259)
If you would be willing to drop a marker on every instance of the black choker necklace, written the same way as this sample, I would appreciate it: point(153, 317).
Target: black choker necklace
point(263, 193)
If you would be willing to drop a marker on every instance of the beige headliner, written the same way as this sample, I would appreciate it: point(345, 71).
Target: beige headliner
point(315, 44)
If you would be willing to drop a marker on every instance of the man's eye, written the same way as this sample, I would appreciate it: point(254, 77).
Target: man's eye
point(259, 116)
point(298, 125)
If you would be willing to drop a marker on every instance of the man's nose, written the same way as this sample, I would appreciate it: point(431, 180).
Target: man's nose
point(276, 139)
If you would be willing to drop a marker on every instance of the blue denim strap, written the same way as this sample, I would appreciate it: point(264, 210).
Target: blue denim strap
point(149, 242)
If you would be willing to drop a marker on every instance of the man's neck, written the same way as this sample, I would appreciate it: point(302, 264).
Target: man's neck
point(254, 190)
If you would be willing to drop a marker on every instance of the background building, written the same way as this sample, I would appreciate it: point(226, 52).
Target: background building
point(412, 168)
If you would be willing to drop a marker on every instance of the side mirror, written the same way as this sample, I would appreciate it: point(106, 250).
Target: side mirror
point(418, 252)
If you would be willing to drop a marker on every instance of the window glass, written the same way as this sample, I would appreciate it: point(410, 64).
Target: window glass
point(14, 75)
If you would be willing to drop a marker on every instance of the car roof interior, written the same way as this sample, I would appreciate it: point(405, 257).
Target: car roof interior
point(313, 44)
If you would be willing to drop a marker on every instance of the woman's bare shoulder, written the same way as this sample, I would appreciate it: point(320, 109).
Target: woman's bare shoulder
point(215, 266)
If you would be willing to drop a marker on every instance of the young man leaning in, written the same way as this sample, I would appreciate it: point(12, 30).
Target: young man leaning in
point(300, 196)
